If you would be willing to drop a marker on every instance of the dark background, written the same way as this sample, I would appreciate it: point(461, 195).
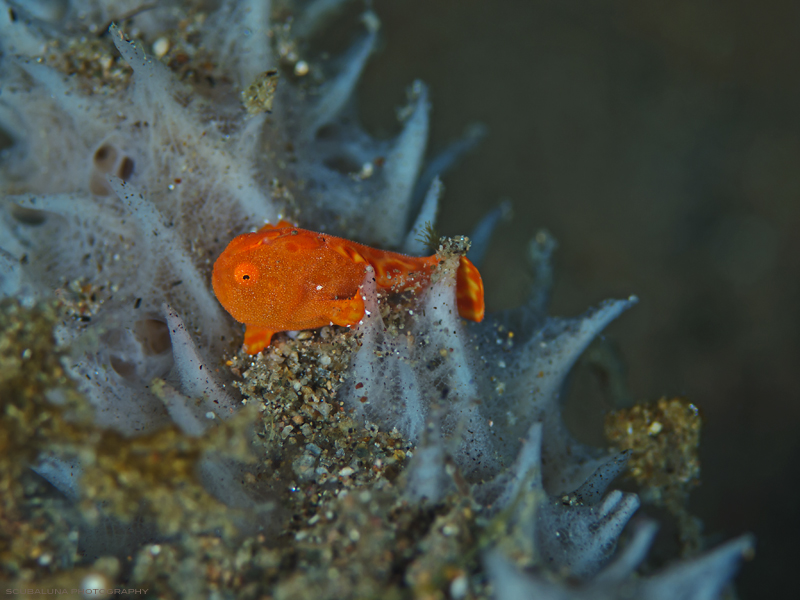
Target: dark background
point(659, 142)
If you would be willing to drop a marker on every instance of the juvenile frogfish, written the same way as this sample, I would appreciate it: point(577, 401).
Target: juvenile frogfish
point(283, 278)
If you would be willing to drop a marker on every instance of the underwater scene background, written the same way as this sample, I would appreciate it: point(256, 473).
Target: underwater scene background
point(615, 148)
point(659, 143)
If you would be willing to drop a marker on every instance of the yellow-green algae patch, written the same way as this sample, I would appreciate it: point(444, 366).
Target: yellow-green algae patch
point(155, 477)
point(663, 438)
point(152, 477)
point(40, 412)
point(366, 543)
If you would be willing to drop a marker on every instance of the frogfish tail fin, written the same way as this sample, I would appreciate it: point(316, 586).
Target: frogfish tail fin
point(469, 291)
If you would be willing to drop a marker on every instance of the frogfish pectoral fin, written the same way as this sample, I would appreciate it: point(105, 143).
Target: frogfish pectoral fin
point(347, 312)
point(469, 291)
point(256, 338)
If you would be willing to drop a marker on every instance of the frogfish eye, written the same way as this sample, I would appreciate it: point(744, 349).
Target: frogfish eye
point(245, 273)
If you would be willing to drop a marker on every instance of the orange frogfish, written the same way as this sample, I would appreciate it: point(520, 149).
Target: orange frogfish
point(283, 278)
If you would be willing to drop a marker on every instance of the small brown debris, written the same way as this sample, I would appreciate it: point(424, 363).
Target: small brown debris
point(260, 94)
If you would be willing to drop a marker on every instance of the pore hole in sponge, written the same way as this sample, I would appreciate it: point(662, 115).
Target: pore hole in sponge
point(141, 352)
point(28, 216)
point(105, 157)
